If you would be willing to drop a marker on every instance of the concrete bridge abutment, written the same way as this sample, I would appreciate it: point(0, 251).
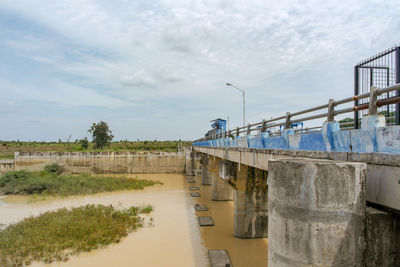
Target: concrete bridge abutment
point(316, 212)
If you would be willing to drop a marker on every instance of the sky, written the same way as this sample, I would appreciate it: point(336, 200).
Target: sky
point(157, 69)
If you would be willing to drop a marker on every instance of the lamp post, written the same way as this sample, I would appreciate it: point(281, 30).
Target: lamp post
point(244, 102)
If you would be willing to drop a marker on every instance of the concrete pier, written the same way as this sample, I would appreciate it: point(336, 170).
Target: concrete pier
point(251, 203)
point(221, 190)
point(189, 162)
point(206, 177)
point(316, 212)
point(205, 174)
point(382, 238)
point(192, 162)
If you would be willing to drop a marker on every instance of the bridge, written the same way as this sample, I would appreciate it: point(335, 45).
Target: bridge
point(325, 195)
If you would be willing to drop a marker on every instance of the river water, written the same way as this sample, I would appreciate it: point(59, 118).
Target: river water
point(175, 239)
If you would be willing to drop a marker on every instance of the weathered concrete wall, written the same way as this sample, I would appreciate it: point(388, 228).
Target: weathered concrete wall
point(316, 212)
point(104, 162)
point(6, 165)
point(382, 236)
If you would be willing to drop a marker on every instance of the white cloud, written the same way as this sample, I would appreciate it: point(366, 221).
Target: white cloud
point(120, 53)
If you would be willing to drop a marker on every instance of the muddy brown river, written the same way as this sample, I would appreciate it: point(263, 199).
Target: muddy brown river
point(175, 239)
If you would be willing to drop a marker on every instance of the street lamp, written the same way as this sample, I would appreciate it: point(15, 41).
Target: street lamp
point(244, 102)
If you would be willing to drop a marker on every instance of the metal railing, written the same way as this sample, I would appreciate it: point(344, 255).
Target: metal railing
point(288, 119)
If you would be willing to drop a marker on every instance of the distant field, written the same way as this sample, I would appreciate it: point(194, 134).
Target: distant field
point(7, 148)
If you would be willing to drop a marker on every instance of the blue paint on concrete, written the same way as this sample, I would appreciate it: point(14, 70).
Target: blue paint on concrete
point(328, 131)
point(276, 142)
point(311, 141)
point(255, 142)
point(388, 139)
point(341, 141)
point(374, 136)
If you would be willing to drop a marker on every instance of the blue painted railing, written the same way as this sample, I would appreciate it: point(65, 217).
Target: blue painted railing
point(374, 136)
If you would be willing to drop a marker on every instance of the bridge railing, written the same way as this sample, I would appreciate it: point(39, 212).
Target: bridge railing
point(289, 119)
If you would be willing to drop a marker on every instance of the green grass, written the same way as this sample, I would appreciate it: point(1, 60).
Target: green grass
point(7, 148)
point(50, 184)
point(6, 156)
point(55, 235)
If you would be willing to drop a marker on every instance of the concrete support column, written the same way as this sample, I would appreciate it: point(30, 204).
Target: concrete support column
point(382, 238)
point(189, 161)
point(206, 177)
point(197, 167)
point(221, 190)
point(316, 212)
point(251, 203)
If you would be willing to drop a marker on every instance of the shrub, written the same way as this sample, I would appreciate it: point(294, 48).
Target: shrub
point(84, 143)
point(47, 183)
point(53, 168)
point(22, 182)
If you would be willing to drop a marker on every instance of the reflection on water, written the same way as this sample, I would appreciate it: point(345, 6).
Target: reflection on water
point(175, 240)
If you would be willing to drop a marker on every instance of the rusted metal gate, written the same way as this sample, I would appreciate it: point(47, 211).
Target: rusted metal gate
point(381, 70)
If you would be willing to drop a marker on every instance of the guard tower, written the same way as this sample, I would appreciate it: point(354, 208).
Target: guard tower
point(381, 70)
point(219, 125)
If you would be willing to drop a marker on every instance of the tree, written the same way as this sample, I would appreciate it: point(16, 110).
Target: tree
point(102, 135)
point(84, 143)
point(68, 138)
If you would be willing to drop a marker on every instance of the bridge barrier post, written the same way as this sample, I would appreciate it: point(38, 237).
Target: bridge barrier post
point(251, 203)
point(316, 213)
point(285, 138)
point(330, 130)
point(331, 110)
point(365, 140)
point(373, 97)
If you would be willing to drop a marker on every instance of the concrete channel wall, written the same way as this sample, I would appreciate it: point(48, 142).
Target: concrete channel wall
point(103, 162)
point(6, 165)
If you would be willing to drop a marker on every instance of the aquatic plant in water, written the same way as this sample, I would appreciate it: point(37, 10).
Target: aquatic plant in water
point(56, 235)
